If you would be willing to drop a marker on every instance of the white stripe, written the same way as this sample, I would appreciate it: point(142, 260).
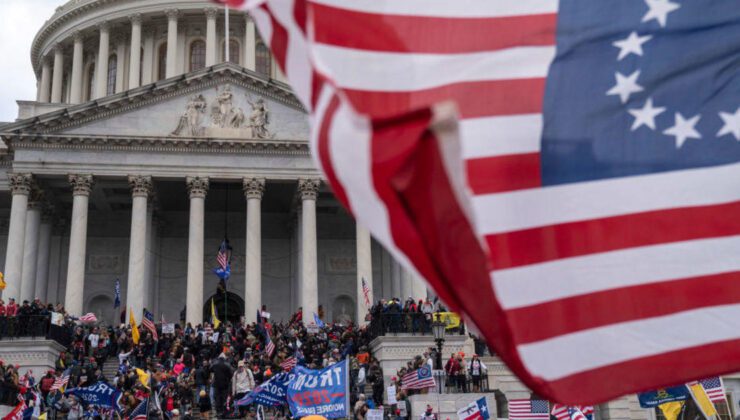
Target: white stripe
point(447, 8)
point(264, 23)
point(298, 67)
point(499, 136)
point(406, 72)
point(559, 279)
point(506, 212)
point(630, 340)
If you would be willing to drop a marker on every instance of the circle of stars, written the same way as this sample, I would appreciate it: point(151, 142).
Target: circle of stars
point(684, 127)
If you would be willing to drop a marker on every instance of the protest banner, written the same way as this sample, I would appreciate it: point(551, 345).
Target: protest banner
point(272, 393)
point(374, 414)
point(99, 394)
point(322, 392)
point(168, 328)
point(660, 396)
point(391, 391)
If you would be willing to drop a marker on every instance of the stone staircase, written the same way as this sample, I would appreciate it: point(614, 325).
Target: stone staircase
point(110, 368)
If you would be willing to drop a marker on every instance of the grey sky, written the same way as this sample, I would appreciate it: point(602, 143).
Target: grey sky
point(19, 22)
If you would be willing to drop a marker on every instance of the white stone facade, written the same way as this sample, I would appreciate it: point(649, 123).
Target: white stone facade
point(140, 174)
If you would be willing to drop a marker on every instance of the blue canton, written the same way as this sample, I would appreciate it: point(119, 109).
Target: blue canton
point(642, 86)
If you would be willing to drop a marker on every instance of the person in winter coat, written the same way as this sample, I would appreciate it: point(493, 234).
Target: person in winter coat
point(242, 381)
point(477, 369)
point(222, 374)
point(204, 404)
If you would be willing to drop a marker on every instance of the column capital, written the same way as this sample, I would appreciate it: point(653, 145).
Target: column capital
point(58, 48)
point(135, 18)
point(309, 188)
point(103, 26)
point(81, 184)
point(211, 12)
point(20, 183)
point(172, 13)
point(254, 188)
point(141, 186)
point(78, 36)
point(197, 186)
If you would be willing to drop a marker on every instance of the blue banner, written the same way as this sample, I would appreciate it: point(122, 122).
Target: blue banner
point(660, 396)
point(322, 392)
point(272, 393)
point(99, 394)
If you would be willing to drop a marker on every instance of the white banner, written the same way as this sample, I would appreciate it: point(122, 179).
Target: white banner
point(168, 328)
point(374, 414)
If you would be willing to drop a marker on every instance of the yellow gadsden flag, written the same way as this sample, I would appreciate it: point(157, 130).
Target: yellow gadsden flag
point(2, 281)
point(216, 321)
point(143, 377)
point(702, 400)
point(671, 410)
point(134, 328)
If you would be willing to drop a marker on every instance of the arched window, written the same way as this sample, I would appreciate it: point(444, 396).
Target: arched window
point(162, 62)
point(112, 74)
point(263, 60)
point(90, 81)
point(197, 55)
point(233, 51)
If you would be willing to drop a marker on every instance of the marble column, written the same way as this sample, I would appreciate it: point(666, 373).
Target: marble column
point(101, 73)
point(197, 190)
point(211, 37)
point(418, 287)
point(309, 190)
point(171, 70)
point(134, 70)
point(147, 61)
point(45, 83)
point(364, 272)
point(31, 246)
point(58, 75)
point(406, 284)
point(75, 96)
point(20, 188)
point(43, 260)
point(141, 187)
point(120, 42)
point(254, 188)
point(250, 41)
point(74, 292)
point(148, 257)
point(396, 280)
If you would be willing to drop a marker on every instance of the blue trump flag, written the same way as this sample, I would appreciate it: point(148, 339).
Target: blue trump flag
point(99, 394)
point(318, 320)
point(322, 392)
point(660, 396)
point(117, 300)
point(272, 393)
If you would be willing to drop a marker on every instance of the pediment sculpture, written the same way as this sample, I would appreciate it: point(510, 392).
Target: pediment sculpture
point(227, 120)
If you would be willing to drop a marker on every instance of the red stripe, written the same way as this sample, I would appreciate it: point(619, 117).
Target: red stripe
point(423, 34)
point(566, 240)
point(535, 323)
point(324, 153)
point(279, 41)
point(504, 173)
point(662, 370)
point(474, 99)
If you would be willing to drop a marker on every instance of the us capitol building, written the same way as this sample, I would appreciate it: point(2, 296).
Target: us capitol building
point(146, 147)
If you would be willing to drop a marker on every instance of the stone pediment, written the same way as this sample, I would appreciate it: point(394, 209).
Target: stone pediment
point(225, 102)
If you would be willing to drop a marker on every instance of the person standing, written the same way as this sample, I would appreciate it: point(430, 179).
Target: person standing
point(477, 369)
point(222, 374)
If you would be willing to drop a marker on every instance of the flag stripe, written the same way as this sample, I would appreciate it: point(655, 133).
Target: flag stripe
point(407, 72)
point(610, 270)
point(473, 99)
point(425, 34)
point(535, 323)
point(520, 210)
point(627, 341)
point(566, 240)
point(500, 136)
point(504, 173)
point(443, 8)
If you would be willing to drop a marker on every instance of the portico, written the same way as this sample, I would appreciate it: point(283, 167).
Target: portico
point(145, 189)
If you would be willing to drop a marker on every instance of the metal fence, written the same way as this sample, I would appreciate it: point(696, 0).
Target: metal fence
point(460, 384)
point(414, 323)
point(33, 326)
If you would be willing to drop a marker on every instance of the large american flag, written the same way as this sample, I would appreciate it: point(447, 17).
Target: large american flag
point(524, 409)
point(418, 379)
point(224, 254)
point(574, 207)
point(148, 322)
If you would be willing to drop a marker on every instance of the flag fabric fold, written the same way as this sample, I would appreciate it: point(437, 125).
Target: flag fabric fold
point(488, 141)
point(134, 328)
point(214, 317)
point(148, 322)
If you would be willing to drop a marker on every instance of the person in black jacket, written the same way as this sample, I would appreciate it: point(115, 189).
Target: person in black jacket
point(222, 373)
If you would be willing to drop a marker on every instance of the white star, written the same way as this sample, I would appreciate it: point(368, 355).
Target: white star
point(732, 124)
point(631, 44)
point(645, 115)
point(683, 129)
point(659, 10)
point(626, 85)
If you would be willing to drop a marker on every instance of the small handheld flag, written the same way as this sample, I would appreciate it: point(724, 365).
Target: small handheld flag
point(366, 292)
point(117, 300)
point(148, 323)
point(216, 322)
point(2, 281)
point(134, 328)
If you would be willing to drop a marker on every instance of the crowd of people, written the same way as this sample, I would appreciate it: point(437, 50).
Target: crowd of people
point(203, 370)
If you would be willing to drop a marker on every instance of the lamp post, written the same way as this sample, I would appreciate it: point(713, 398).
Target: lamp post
point(439, 329)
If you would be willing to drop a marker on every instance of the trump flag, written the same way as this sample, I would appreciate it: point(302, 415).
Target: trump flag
point(549, 167)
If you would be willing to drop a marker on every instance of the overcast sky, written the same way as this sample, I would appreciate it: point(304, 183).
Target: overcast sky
point(19, 22)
